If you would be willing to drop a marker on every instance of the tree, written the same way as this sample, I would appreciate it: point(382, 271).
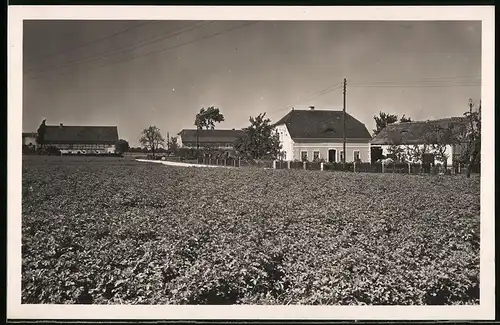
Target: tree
point(122, 146)
point(152, 139)
point(206, 119)
point(40, 134)
point(382, 121)
point(404, 119)
point(172, 145)
point(470, 137)
point(259, 139)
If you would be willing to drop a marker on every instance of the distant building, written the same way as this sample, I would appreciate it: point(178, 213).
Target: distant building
point(220, 139)
point(96, 138)
point(29, 138)
point(318, 134)
point(420, 133)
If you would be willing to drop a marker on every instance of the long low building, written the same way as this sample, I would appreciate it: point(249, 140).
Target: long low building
point(69, 137)
point(424, 133)
point(221, 139)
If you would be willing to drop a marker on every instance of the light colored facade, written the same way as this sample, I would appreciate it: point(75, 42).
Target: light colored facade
point(450, 151)
point(332, 151)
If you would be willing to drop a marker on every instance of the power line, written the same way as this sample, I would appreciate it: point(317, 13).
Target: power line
point(110, 53)
point(418, 86)
point(420, 82)
point(48, 55)
point(164, 49)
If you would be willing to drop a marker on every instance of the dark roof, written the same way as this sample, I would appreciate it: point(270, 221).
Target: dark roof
point(421, 132)
point(189, 135)
point(322, 125)
point(29, 134)
point(81, 134)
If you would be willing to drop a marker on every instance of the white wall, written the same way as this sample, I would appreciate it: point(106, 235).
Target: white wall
point(285, 140)
point(449, 152)
point(324, 147)
point(29, 140)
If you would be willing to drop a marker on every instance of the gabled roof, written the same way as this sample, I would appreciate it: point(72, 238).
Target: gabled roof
point(421, 132)
point(81, 134)
point(189, 135)
point(322, 124)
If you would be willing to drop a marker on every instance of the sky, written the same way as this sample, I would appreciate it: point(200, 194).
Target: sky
point(134, 74)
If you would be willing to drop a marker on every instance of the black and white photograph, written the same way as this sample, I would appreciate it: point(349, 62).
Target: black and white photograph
point(252, 161)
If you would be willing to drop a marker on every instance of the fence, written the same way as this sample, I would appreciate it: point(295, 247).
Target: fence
point(358, 167)
point(396, 168)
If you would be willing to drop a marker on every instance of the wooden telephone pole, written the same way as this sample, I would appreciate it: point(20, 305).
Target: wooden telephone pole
point(344, 128)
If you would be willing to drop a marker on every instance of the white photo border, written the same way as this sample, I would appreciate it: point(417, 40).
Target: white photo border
point(15, 310)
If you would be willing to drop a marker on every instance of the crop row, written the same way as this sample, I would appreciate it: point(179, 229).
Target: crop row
point(111, 232)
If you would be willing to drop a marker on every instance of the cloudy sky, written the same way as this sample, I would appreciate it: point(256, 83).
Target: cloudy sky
point(139, 73)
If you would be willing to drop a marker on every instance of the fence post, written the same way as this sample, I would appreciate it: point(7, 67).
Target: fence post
point(421, 171)
point(234, 162)
point(383, 168)
point(274, 164)
point(239, 162)
point(354, 167)
point(459, 168)
point(409, 168)
point(288, 164)
point(304, 164)
point(321, 166)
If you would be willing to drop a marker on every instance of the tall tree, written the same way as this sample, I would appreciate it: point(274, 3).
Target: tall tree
point(470, 137)
point(382, 121)
point(259, 140)
point(40, 134)
point(172, 144)
point(152, 139)
point(206, 119)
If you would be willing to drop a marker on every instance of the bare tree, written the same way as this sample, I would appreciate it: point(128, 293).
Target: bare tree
point(152, 139)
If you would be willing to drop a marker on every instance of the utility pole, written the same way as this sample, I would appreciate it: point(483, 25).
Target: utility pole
point(344, 118)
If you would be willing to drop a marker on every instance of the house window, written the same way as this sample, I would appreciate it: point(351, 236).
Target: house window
point(356, 155)
point(315, 155)
point(303, 155)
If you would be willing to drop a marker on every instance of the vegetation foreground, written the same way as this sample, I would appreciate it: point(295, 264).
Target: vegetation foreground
point(110, 231)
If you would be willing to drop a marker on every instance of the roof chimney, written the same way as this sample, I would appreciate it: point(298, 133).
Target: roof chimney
point(311, 108)
point(60, 125)
point(292, 108)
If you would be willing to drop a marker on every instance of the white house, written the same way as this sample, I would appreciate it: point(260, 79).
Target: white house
point(29, 138)
point(423, 133)
point(317, 134)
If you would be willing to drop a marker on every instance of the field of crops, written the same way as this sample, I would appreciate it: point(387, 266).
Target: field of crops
point(113, 230)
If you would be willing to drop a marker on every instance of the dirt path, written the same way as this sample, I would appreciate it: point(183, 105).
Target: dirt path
point(174, 163)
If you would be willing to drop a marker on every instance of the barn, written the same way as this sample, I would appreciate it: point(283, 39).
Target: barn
point(81, 138)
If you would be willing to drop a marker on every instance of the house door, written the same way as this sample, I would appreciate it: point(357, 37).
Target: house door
point(332, 155)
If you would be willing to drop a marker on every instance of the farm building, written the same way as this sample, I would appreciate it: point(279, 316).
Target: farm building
point(95, 138)
point(318, 134)
point(29, 138)
point(422, 134)
point(221, 139)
